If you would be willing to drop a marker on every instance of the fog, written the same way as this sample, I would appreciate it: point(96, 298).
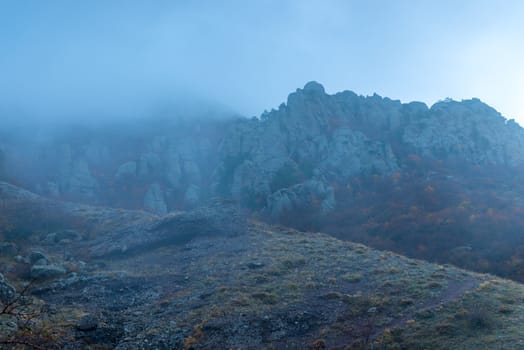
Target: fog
point(123, 59)
point(144, 206)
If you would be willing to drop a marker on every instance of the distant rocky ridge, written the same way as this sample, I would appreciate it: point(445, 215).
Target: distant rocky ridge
point(285, 158)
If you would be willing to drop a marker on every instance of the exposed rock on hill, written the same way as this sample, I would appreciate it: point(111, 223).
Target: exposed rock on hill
point(285, 200)
point(314, 136)
point(470, 130)
point(309, 138)
point(218, 218)
point(420, 181)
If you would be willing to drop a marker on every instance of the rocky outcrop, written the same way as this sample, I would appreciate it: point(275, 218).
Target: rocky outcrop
point(81, 181)
point(43, 272)
point(468, 130)
point(351, 153)
point(38, 258)
point(126, 172)
point(314, 137)
point(217, 218)
point(310, 194)
point(74, 216)
point(74, 175)
point(154, 200)
point(64, 236)
point(41, 268)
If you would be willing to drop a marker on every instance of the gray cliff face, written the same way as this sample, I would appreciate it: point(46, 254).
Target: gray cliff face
point(470, 130)
point(179, 164)
point(277, 162)
point(307, 141)
point(69, 173)
point(163, 169)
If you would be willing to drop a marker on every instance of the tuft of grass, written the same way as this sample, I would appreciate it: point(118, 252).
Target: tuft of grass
point(446, 328)
point(266, 298)
point(352, 277)
point(480, 319)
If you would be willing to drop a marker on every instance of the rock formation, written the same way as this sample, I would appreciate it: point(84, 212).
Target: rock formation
point(274, 163)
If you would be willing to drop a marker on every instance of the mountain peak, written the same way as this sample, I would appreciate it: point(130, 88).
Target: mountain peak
point(314, 87)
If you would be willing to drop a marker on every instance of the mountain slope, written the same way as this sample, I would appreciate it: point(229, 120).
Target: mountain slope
point(246, 284)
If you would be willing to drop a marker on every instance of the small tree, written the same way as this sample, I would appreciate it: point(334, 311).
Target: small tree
point(19, 320)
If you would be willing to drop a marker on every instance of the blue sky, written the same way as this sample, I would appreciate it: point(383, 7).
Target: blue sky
point(104, 58)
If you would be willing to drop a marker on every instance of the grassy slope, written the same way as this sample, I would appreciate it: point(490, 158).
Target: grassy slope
point(273, 287)
point(309, 290)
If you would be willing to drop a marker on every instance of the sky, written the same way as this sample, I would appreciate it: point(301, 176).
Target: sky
point(116, 58)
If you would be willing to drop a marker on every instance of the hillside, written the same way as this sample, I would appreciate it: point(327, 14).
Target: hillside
point(440, 183)
point(210, 279)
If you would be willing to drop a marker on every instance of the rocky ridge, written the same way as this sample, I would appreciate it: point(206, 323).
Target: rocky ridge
point(282, 159)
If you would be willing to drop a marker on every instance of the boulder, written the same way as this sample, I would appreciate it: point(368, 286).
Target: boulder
point(43, 272)
point(87, 323)
point(7, 291)
point(41, 262)
point(62, 236)
point(37, 256)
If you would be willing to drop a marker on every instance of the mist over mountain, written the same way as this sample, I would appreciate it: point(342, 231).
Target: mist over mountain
point(439, 182)
point(195, 175)
point(178, 230)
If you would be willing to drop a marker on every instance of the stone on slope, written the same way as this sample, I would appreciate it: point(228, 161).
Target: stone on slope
point(7, 291)
point(42, 272)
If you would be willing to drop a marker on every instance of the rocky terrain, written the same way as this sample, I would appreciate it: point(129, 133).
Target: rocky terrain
point(272, 163)
point(176, 233)
point(441, 183)
point(213, 279)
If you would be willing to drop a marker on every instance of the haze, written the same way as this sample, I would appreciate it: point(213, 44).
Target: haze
point(64, 59)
